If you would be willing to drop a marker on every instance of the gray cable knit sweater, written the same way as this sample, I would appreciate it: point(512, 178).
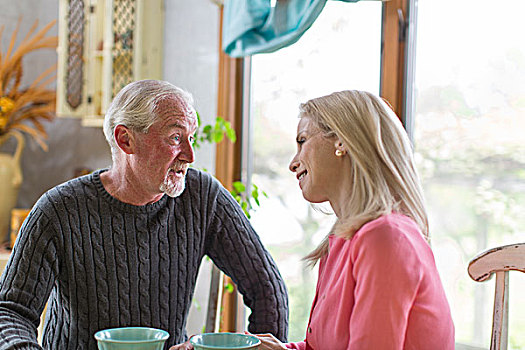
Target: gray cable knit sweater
point(104, 263)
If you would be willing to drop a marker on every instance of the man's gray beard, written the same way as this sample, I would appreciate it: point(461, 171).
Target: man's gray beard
point(172, 189)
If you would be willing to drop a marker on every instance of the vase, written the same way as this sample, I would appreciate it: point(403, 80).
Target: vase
point(10, 181)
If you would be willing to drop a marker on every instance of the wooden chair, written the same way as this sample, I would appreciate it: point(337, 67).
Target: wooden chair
point(499, 261)
point(214, 301)
point(217, 319)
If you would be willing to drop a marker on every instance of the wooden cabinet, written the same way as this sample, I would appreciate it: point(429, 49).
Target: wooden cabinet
point(4, 257)
point(104, 45)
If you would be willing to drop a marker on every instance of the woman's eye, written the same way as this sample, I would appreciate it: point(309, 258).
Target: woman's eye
point(176, 138)
point(300, 141)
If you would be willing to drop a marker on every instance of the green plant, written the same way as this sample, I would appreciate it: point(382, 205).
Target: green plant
point(248, 201)
point(229, 287)
point(215, 133)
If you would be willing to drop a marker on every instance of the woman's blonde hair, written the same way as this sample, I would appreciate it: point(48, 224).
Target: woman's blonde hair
point(384, 176)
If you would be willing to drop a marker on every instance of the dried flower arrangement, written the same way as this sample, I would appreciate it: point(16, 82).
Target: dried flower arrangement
point(20, 107)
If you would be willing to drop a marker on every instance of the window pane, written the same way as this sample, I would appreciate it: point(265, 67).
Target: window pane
point(340, 51)
point(469, 139)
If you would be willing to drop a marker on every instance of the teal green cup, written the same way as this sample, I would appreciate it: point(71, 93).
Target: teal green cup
point(224, 341)
point(131, 338)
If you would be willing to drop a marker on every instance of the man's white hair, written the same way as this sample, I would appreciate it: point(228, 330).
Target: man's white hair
point(136, 104)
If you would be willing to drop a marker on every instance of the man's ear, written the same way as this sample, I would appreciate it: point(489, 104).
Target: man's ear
point(124, 139)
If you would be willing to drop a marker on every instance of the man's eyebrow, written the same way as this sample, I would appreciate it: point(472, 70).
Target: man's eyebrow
point(176, 125)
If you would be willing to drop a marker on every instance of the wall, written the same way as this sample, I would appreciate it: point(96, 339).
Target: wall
point(70, 145)
point(190, 61)
point(191, 42)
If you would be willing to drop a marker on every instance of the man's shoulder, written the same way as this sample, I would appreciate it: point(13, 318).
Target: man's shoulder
point(202, 184)
point(68, 190)
point(195, 172)
point(197, 177)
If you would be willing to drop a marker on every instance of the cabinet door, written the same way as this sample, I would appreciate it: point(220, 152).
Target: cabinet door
point(121, 24)
point(150, 23)
point(137, 34)
point(122, 42)
point(73, 44)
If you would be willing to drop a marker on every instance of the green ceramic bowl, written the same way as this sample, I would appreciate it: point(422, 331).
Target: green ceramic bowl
point(131, 338)
point(224, 341)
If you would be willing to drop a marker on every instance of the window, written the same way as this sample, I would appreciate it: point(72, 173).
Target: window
point(469, 123)
point(468, 135)
point(341, 51)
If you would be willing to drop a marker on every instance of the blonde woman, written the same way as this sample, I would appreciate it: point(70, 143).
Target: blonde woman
point(378, 286)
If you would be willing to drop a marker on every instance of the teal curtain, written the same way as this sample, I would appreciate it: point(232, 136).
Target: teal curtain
point(254, 26)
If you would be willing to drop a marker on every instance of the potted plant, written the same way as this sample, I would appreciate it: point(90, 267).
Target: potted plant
point(22, 110)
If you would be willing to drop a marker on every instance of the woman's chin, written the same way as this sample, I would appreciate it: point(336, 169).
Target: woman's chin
point(313, 198)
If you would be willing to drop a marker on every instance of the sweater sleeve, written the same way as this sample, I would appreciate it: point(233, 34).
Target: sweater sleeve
point(26, 284)
point(388, 273)
point(236, 249)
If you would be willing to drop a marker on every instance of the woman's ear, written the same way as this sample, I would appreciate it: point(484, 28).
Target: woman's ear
point(339, 148)
point(124, 139)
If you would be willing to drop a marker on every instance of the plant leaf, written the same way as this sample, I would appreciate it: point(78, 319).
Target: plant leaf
point(239, 187)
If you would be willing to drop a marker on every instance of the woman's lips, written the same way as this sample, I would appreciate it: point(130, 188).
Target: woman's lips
point(301, 177)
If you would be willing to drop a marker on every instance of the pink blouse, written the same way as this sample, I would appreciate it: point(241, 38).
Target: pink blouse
point(379, 290)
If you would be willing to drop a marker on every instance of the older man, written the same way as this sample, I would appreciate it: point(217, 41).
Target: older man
point(122, 246)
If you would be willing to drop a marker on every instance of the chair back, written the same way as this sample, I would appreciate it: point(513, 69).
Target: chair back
point(499, 261)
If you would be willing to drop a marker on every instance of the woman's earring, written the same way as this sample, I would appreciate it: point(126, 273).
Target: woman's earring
point(338, 152)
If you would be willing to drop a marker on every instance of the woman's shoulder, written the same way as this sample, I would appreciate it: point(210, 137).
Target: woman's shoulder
point(393, 224)
point(391, 240)
point(393, 221)
point(390, 231)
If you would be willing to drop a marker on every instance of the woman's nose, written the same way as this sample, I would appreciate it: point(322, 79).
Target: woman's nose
point(294, 164)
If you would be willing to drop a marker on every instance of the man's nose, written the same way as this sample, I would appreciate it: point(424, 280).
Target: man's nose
point(187, 153)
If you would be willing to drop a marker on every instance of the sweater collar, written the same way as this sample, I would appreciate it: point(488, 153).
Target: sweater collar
point(122, 205)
